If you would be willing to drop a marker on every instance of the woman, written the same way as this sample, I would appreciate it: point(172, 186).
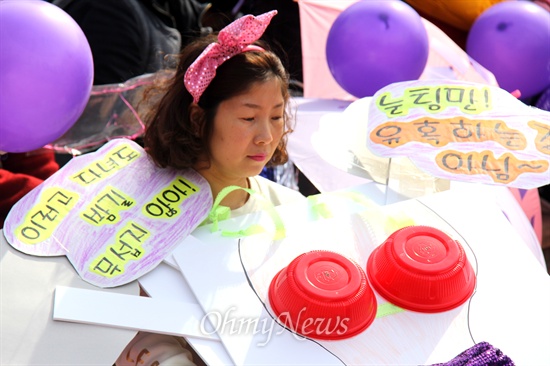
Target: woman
point(224, 115)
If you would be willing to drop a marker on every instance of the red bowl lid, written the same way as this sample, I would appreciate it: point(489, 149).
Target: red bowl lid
point(326, 276)
point(324, 295)
point(424, 249)
point(421, 268)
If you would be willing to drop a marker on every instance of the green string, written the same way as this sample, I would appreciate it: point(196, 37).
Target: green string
point(318, 209)
point(322, 210)
point(387, 309)
point(253, 229)
point(220, 213)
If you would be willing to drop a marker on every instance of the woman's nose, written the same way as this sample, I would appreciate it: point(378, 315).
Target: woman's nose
point(264, 133)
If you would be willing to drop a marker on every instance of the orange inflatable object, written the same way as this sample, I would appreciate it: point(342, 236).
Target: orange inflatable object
point(458, 14)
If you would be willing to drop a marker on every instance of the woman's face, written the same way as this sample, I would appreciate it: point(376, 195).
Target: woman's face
point(247, 130)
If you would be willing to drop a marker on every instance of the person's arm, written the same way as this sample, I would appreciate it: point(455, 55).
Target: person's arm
point(19, 174)
point(12, 188)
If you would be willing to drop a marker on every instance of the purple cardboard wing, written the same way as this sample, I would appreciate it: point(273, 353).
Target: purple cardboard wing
point(113, 213)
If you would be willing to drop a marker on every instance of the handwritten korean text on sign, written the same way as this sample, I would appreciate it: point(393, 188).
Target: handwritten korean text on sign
point(41, 221)
point(462, 131)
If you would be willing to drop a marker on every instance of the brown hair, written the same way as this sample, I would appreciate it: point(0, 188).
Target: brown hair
point(173, 140)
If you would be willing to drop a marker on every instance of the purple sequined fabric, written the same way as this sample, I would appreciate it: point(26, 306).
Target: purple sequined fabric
point(482, 354)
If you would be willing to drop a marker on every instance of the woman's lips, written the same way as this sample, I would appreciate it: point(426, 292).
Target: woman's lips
point(258, 157)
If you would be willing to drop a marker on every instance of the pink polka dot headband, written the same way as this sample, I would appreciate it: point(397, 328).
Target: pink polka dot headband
point(232, 40)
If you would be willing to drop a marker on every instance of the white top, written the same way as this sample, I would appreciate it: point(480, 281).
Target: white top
point(268, 191)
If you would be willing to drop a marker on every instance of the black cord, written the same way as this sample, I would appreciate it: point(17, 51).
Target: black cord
point(475, 267)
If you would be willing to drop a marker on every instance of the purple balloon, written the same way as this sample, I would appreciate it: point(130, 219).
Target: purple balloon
point(544, 101)
point(372, 44)
point(512, 40)
point(46, 73)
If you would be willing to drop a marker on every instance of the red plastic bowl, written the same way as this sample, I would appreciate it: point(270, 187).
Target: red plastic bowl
point(420, 268)
point(323, 295)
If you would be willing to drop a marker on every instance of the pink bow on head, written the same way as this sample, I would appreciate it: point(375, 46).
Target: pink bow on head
point(232, 40)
